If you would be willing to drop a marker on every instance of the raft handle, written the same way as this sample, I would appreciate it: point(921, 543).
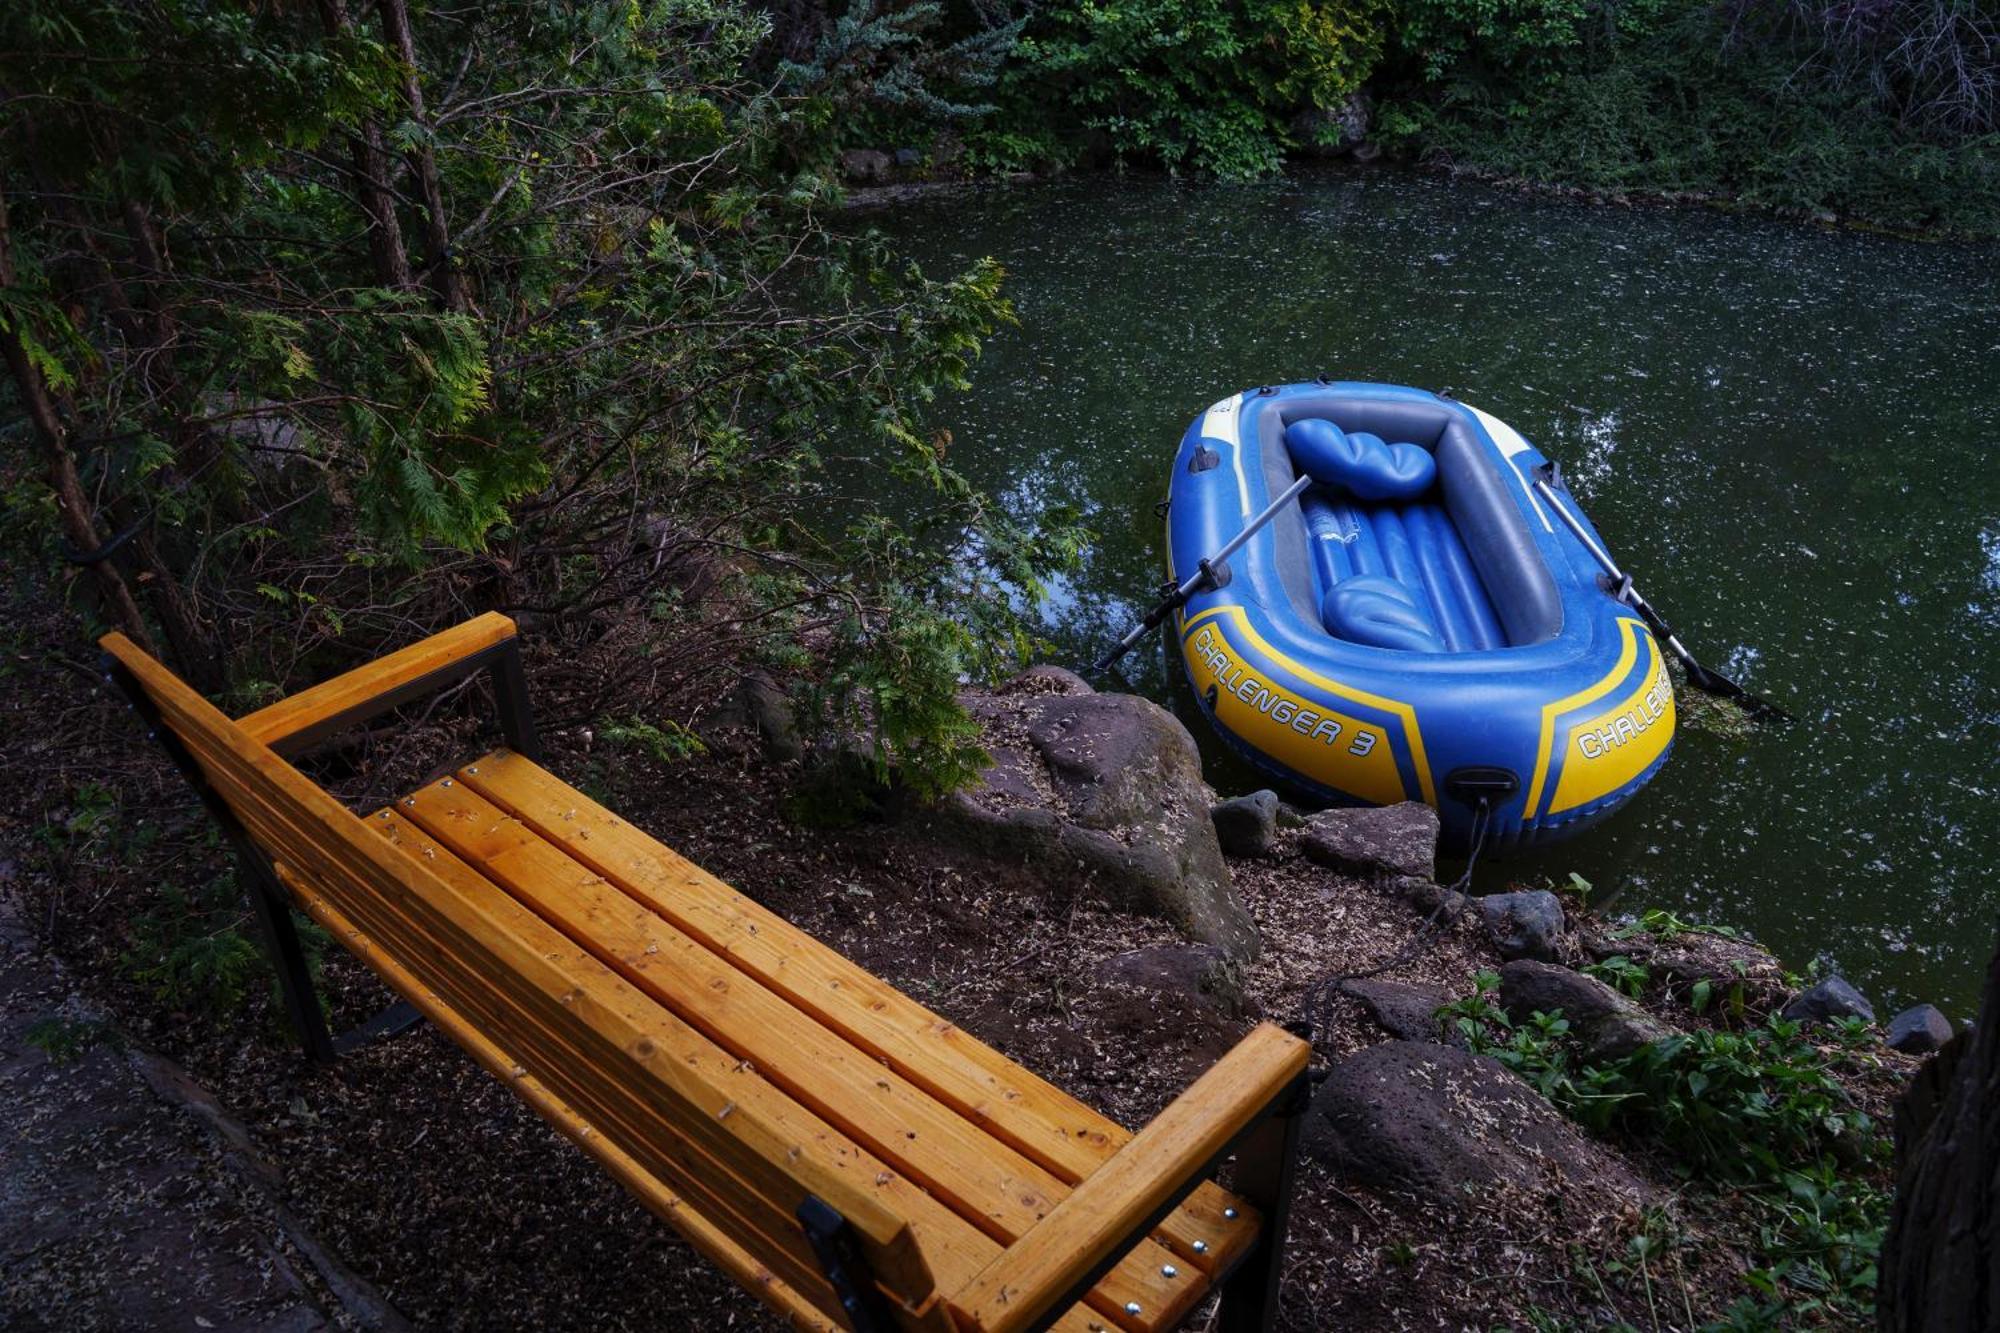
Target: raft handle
point(1475, 784)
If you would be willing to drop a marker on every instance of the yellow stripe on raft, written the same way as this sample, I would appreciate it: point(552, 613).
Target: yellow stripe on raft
point(1334, 748)
point(1610, 748)
point(1628, 650)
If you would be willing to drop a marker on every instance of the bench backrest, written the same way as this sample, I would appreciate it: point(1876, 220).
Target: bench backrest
point(700, 1124)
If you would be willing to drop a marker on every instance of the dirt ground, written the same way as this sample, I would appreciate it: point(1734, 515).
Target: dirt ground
point(114, 1212)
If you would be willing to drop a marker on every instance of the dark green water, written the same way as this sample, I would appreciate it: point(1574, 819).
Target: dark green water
point(1787, 435)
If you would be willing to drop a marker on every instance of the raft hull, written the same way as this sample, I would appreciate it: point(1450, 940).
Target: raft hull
point(1547, 699)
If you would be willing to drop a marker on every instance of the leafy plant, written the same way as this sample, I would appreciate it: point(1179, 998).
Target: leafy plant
point(65, 1040)
point(1664, 925)
point(1202, 86)
point(565, 326)
point(1757, 1111)
point(667, 740)
point(1622, 974)
point(193, 950)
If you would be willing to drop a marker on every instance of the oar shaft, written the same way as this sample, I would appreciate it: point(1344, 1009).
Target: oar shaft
point(1581, 533)
point(1255, 525)
point(1204, 571)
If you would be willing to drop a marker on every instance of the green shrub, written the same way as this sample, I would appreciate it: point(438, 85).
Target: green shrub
point(1203, 86)
point(1657, 99)
point(193, 950)
point(1758, 1112)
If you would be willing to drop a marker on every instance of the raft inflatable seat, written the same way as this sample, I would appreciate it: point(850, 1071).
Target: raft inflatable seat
point(1418, 625)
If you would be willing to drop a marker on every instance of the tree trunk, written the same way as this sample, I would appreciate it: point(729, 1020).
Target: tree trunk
point(445, 278)
point(1940, 1264)
point(71, 503)
point(371, 182)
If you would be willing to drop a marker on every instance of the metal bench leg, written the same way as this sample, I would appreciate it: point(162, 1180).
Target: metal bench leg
point(288, 958)
point(1266, 1165)
point(846, 1268)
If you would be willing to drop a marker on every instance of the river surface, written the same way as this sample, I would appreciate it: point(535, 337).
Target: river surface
point(1787, 435)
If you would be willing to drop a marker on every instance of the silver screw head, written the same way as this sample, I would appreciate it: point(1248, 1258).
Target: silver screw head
point(1201, 1247)
point(446, 782)
point(1132, 1307)
point(1229, 1213)
point(409, 800)
point(1168, 1270)
point(472, 768)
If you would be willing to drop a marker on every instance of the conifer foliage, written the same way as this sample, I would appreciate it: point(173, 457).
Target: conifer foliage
point(333, 321)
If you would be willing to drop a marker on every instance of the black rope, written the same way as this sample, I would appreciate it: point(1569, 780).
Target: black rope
point(1319, 997)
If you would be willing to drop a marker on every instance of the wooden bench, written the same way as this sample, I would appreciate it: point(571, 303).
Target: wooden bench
point(852, 1159)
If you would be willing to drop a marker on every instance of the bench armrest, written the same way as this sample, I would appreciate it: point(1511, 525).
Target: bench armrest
point(1118, 1204)
point(484, 643)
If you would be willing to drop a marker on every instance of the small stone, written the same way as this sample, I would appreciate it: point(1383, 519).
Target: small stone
point(1201, 972)
point(1407, 1010)
point(1429, 898)
point(1247, 825)
point(1604, 1023)
point(1046, 678)
point(1101, 791)
point(1828, 1000)
point(1524, 925)
point(1447, 1125)
point(1391, 840)
point(1919, 1030)
point(770, 712)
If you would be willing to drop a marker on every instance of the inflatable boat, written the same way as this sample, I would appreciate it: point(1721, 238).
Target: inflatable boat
point(1425, 621)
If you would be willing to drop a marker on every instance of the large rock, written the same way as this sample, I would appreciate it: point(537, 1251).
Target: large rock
point(1449, 1125)
point(1103, 792)
point(1728, 962)
point(1201, 972)
point(1828, 1000)
point(1406, 1010)
point(1388, 840)
point(1605, 1024)
point(1918, 1031)
point(1247, 825)
point(865, 166)
point(1524, 925)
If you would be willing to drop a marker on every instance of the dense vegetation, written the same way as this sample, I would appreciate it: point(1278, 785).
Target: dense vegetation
point(1886, 110)
point(332, 324)
point(1753, 1113)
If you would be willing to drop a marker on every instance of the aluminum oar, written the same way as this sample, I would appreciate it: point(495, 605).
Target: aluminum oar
point(1701, 677)
point(1204, 576)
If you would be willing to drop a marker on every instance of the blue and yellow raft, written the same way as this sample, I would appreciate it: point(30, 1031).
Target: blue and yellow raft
point(1417, 625)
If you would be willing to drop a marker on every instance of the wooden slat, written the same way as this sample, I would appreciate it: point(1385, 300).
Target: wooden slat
point(770, 1137)
point(982, 1181)
point(745, 1269)
point(1021, 1285)
point(1030, 1115)
point(356, 689)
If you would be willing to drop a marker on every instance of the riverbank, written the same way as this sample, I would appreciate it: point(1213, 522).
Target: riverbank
point(876, 186)
point(1066, 961)
point(1888, 119)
